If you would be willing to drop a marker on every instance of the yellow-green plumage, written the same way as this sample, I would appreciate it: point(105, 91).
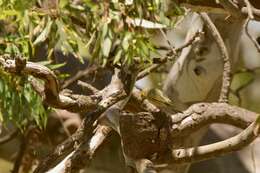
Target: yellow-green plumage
point(156, 97)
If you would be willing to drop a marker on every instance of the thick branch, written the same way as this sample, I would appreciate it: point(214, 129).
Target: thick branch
point(158, 132)
point(84, 154)
point(117, 90)
point(202, 114)
point(217, 149)
point(52, 95)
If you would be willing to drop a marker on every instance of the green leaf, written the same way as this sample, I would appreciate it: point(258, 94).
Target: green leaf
point(63, 3)
point(240, 80)
point(107, 44)
point(118, 56)
point(125, 42)
point(82, 48)
point(45, 33)
point(56, 66)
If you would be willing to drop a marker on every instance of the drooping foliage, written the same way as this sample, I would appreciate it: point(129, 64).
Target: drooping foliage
point(105, 32)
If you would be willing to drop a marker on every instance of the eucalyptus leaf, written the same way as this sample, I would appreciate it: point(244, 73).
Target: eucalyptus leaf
point(44, 34)
point(240, 80)
point(63, 3)
point(107, 44)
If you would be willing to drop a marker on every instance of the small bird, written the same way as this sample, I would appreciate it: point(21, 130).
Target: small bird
point(156, 97)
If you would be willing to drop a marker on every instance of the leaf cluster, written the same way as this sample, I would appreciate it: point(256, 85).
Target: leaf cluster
point(19, 103)
point(104, 32)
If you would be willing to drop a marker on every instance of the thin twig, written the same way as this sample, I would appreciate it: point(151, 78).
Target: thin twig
point(168, 41)
point(256, 12)
point(170, 55)
point(232, 8)
point(225, 56)
point(249, 8)
point(79, 75)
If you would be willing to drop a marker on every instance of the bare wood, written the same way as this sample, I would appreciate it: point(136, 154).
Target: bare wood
point(113, 93)
point(205, 152)
point(50, 90)
point(84, 154)
point(203, 114)
point(144, 166)
point(225, 56)
point(88, 86)
point(249, 9)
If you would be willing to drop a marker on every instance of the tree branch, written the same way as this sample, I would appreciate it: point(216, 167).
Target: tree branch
point(52, 95)
point(210, 6)
point(203, 114)
point(144, 166)
point(117, 90)
point(205, 152)
point(224, 53)
point(84, 154)
point(77, 159)
point(172, 53)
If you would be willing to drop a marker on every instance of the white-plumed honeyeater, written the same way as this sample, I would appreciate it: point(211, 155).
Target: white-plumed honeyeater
point(156, 97)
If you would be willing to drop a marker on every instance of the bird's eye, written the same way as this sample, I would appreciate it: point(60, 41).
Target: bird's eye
point(200, 51)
